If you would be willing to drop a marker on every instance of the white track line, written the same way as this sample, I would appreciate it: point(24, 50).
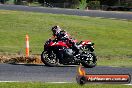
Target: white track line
point(55, 82)
point(59, 82)
point(128, 84)
point(45, 82)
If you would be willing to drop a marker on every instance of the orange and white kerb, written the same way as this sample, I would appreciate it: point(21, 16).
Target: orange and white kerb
point(27, 45)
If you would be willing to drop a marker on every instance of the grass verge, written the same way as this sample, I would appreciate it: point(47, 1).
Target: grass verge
point(115, 61)
point(65, 85)
point(112, 38)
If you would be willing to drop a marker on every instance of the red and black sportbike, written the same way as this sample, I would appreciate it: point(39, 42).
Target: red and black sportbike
point(58, 52)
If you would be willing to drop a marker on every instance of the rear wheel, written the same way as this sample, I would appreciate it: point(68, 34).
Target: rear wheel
point(89, 60)
point(49, 59)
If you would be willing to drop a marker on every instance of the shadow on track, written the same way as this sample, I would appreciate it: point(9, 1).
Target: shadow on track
point(27, 64)
point(42, 65)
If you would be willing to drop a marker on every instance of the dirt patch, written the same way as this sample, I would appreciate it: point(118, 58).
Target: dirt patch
point(35, 59)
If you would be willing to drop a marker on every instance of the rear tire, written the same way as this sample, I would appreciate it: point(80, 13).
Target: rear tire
point(87, 64)
point(49, 59)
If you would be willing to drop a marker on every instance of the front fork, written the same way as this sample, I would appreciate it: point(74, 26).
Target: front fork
point(90, 47)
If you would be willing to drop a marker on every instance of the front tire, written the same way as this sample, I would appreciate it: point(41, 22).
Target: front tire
point(89, 61)
point(49, 59)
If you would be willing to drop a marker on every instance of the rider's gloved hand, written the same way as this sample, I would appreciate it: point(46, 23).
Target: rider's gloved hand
point(49, 40)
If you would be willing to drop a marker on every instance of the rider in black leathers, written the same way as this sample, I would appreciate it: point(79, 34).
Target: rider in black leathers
point(63, 36)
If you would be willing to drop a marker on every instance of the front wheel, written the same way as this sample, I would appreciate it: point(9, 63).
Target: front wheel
point(49, 58)
point(89, 60)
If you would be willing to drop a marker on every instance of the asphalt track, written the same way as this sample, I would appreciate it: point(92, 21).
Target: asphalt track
point(91, 13)
point(41, 73)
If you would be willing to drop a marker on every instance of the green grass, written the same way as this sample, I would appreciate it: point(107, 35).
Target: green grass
point(115, 61)
point(112, 38)
point(48, 85)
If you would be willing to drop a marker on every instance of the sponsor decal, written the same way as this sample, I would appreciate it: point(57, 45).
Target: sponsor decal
point(83, 78)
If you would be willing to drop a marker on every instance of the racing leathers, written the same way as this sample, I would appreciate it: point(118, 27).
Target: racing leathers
point(65, 37)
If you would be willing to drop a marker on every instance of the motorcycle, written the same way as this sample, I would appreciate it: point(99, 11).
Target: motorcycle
point(58, 52)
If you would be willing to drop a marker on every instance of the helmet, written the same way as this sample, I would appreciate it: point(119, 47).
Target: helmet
point(56, 29)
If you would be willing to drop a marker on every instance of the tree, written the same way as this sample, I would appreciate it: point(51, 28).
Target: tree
point(108, 2)
point(93, 4)
point(72, 3)
point(83, 4)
